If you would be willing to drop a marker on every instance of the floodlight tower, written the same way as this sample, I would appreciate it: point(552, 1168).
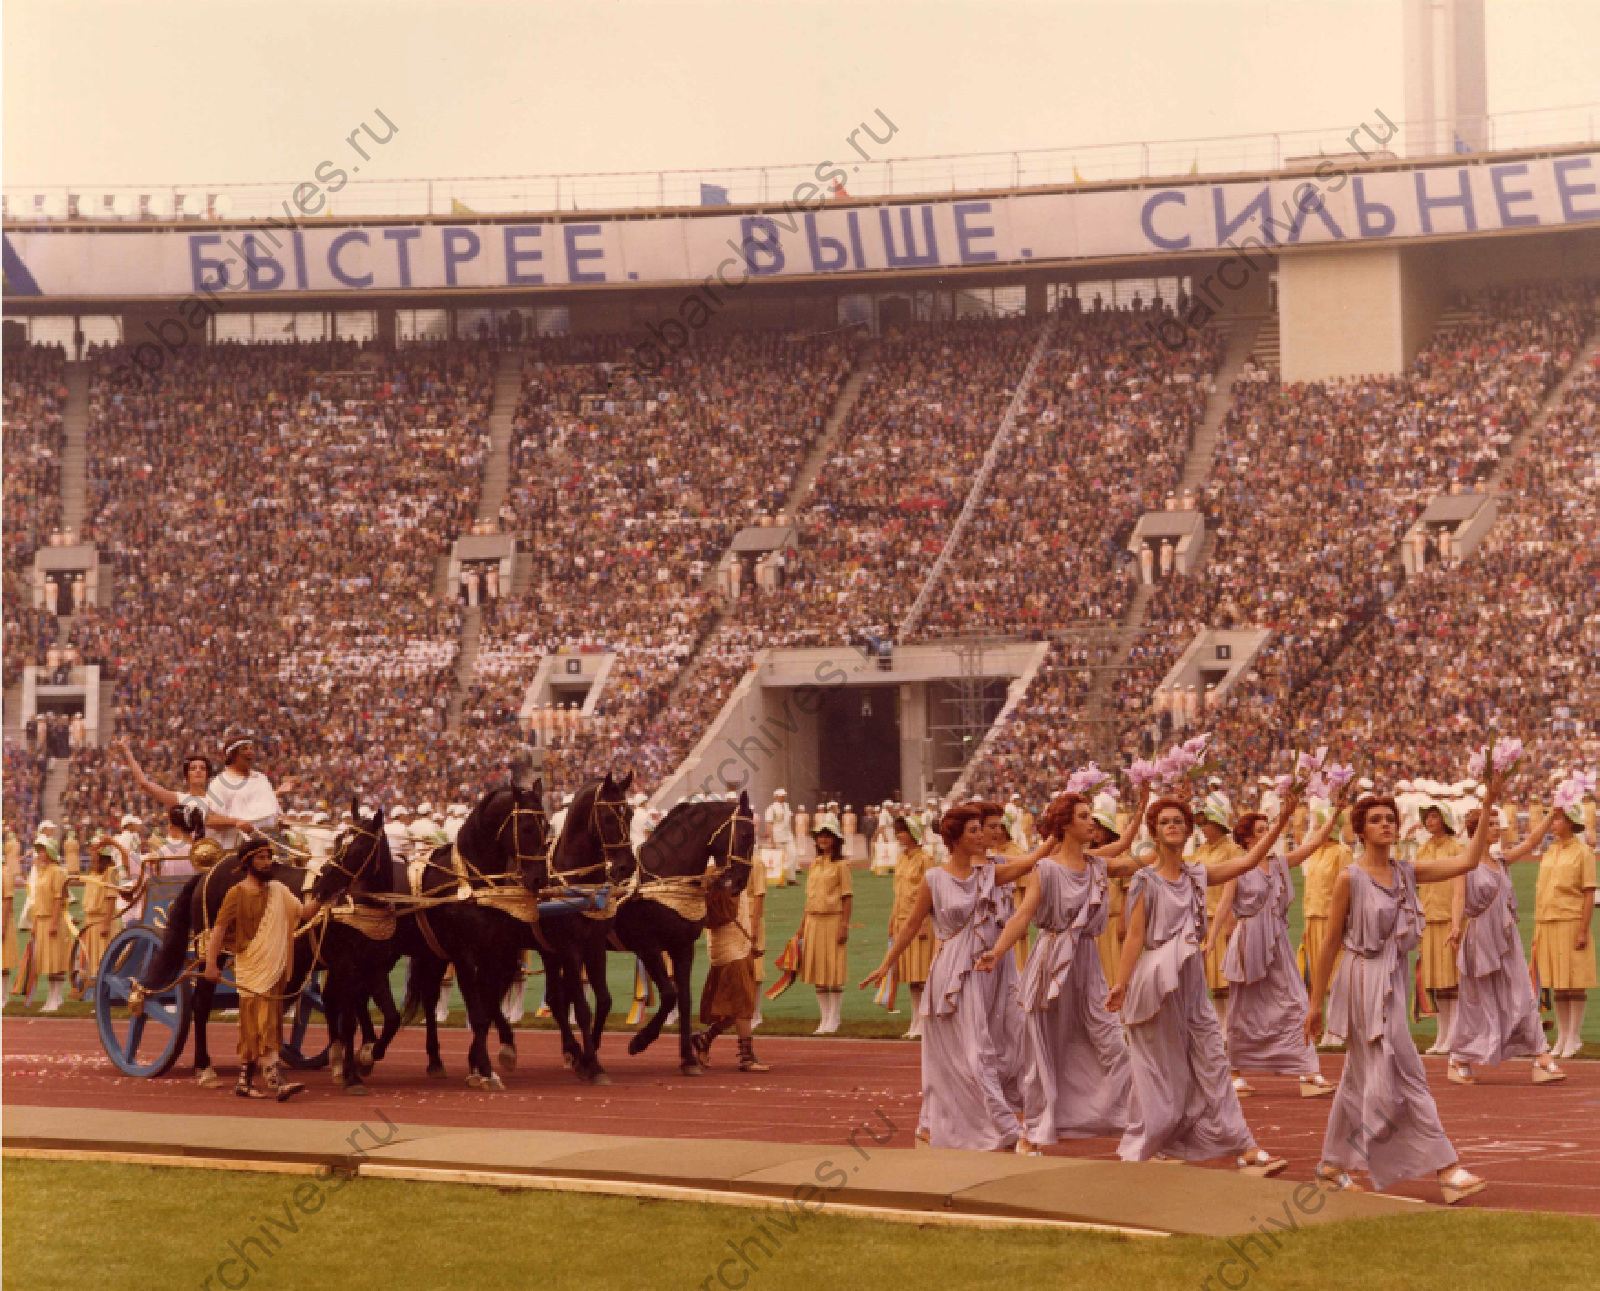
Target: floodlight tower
point(1447, 84)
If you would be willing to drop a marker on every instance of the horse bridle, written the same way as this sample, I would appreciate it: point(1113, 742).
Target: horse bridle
point(517, 809)
point(342, 850)
point(730, 859)
point(620, 813)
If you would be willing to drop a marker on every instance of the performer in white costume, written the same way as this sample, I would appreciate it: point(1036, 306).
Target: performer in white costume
point(240, 793)
point(780, 830)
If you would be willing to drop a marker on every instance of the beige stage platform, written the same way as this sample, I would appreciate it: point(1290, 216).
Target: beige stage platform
point(985, 1189)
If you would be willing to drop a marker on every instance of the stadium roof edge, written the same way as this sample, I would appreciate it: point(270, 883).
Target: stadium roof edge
point(643, 214)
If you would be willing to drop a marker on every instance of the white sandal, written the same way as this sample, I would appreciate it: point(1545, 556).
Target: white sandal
point(1242, 1087)
point(1318, 1086)
point(1543, 1075)
point(1460, 1073)
point(1026, 1149)
point(1335, 1178)
point(1261, 1165)
point(1458, 1185)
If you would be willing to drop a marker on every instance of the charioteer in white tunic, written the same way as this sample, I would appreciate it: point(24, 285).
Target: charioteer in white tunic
point(240, 793)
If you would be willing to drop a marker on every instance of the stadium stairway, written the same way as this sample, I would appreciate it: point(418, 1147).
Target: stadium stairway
point(1245, 336)
point(1267, 348)
point(57, 773)
point(849, 392)
point(1515, 449)
point(1552, 401)
point(980, 483)
point(497, 466)
point(74, 448)
point(491, 497)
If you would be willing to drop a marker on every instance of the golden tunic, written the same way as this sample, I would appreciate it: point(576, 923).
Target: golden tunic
point(1211, 855)
point(100, 923)
point(1566, 877)
point(1436, 957)
point(1437, 897)
point(909, 872)
point(1321, 868)
point(756, 890)
point(260, 1016)
point(1562, 909)
point(53, 958)
point(823, 961)
point(13, 876)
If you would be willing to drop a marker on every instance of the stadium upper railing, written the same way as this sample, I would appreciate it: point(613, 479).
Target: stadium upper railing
point(751, 185)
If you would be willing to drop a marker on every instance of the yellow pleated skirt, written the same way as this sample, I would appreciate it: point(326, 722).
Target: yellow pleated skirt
point(1438, 959)
point(1214, 957)
point(1560, 964)
point(1316, 935)
point(1110, 951)
point(912, 966)
point(823, 961)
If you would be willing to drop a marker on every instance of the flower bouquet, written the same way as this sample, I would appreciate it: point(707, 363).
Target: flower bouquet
point(1503, 756)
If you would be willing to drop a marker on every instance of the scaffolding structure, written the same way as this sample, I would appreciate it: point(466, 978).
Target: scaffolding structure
point(964, 718)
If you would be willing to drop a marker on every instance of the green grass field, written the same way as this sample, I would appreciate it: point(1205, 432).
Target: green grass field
point(795, 1013)
point(68, 1225)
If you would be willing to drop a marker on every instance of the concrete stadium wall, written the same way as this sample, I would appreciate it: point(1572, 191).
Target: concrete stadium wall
point(1358, 312)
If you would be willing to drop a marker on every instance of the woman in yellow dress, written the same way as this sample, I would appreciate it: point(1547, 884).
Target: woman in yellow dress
point(13, 876)
point(1563, 948)
point(1436, 959)
point(915, 861)
point(998, 841)
point(825, 930)
point(100, 922)
point(52, 923)
point(1216, 826)
point(1319, 871)
point(1106, 833)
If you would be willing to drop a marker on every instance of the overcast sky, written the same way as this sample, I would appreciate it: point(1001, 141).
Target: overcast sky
point(120, 92)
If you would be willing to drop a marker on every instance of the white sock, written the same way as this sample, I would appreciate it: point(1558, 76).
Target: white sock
point(822, 1013)
point(1447, 1023)
point(52, 1000)
point(1220, 1002)
point(1569, 1027)
point(838, 1008)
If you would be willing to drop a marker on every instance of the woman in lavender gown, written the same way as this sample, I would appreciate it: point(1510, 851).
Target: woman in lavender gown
point(964, 1103)
point(1266, 1022)
point(1181, 1104)
point(1383, 1117)
point(1075, 1059)
point(1497, 1013)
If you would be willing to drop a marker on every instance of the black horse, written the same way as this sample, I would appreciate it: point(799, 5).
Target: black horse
point(594, 841)
point(502, 846)
point(357, 968)
point(195, 909)
point(672, 865)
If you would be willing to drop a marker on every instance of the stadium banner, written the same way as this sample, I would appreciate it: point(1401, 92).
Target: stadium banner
point(806, 237)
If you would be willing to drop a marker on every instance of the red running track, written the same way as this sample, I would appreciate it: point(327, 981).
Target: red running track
point(1538, 1146)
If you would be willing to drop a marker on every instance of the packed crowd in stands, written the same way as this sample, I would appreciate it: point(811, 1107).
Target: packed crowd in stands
point(1108, 422)
point(35, 401)
point(1505, 643)
point(1314, 484)
point(626, 490)
point(271, 513)
point(274, 519)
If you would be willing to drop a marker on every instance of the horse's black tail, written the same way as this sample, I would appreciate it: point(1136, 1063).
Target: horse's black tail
point(169, 961)
point(411, 1010)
